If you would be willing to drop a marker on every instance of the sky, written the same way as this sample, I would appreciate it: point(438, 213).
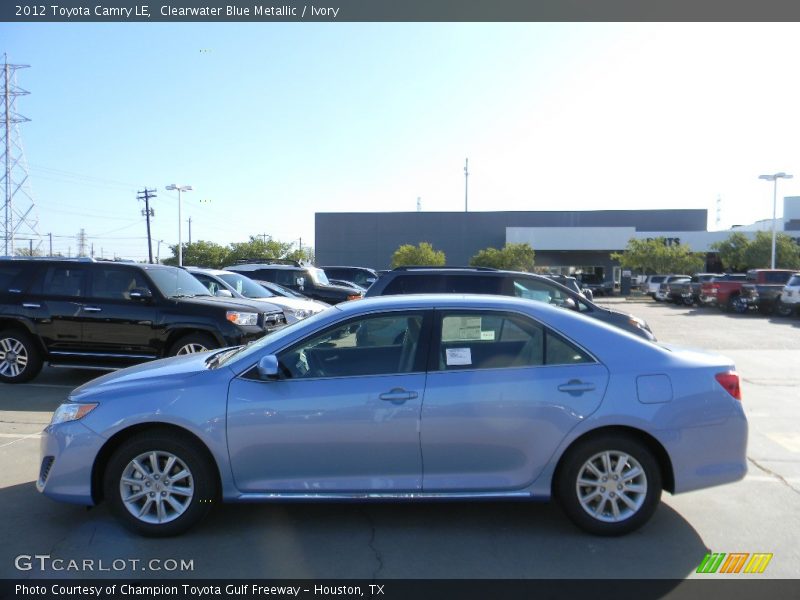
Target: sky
point(273, 122)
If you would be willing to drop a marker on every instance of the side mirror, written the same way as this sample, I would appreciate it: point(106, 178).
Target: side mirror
point(569, 303)
point(268, 367)
point(223, 293)
point(140, 294)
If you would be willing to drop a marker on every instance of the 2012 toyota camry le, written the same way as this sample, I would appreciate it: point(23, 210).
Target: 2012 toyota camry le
point(405, 398)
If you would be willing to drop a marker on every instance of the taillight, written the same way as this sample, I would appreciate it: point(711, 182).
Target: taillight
point(730, 381)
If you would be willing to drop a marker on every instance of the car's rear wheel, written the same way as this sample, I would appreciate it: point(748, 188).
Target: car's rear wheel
point(609, 485)
point(20, 359)
point(193, 343)
point(159, 484)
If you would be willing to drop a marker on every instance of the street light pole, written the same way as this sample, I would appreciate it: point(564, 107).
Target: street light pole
point(179, 188)
point(774, 179)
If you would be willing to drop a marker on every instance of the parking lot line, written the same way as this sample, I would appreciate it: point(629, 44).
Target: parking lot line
point(19, 438)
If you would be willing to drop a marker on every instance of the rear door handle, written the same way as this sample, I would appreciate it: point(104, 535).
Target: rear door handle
point(398, 395)
point(576, 386)
point(92, 309)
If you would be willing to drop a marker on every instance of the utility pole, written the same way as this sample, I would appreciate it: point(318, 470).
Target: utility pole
point(158, 253)
point(91, 253)
point(190, 231)
point(149, 212)
point(50, 235)
point(264, 237)
point(466, 183)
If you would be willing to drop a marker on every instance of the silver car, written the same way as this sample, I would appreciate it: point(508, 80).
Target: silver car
point(498, 398)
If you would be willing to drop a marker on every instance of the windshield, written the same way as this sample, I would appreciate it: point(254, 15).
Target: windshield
point(282, 291)
point(318, 275)
point(245, 286)
point(177, 283)
point(252, 347)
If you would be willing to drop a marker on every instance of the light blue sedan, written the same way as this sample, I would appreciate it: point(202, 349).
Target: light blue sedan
point(466, 397)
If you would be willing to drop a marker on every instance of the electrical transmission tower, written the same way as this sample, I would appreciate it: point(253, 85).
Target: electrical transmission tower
point(81, 237)
point(19, 212)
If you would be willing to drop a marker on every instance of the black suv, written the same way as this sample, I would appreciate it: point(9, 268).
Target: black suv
point(482, 280)
point(299, 276)
point(101, 314)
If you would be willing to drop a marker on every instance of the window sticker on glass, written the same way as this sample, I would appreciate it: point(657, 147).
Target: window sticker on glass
point(487, 336)
point(458, 356)
point(461, 329)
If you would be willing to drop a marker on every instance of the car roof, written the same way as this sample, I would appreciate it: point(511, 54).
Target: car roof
point(262, 266)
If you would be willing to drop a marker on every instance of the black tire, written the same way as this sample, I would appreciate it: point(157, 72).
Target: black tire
point(782, 309)
point(202, 478)
point(738, 305)
point(18, 347)
point(689, 301)
point(574, 463)
point(196, 341)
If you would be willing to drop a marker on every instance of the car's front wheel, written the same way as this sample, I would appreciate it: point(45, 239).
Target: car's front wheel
point(609, 485)
point(159, 484)
point(20, 359)
point(192, 343)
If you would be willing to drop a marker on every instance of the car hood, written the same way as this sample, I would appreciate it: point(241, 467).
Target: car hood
point(228, 303)
point(300, 304)
point(155, 374)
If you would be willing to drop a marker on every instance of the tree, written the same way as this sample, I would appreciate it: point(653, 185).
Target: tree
point(758, 254)
point(732, 251)
point(27, 252)
point(422, 255)
point(655, 256)
point(201, 254)
point(513, 257)
point(256, 247)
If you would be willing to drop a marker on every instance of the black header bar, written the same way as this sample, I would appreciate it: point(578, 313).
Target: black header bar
point(398, 10)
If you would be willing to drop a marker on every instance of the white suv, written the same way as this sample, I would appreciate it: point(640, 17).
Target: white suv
point(790, 297)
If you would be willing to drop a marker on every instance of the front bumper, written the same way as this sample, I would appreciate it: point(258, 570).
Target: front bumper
point(68, 453)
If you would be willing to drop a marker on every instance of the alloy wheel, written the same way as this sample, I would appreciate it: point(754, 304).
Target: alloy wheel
point(611, 486)
point(156, 487)
point(13, 357)
point(191, 348)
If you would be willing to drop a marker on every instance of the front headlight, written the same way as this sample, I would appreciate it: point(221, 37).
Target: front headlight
point(301, 313)
point(242, 318)
point(72, 411)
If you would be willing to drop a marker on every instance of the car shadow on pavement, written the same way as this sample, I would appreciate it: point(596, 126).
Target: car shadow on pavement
point(468, 540)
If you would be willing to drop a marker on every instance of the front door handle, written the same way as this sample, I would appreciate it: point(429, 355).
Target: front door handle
point(31, 305)
point(398, 395)
point(576, 387)
point(92, 309)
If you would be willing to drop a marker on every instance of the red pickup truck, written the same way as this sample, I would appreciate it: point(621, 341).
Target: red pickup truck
point(726, 291)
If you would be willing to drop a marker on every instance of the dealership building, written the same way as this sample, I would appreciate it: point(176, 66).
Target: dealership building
point(564, 241)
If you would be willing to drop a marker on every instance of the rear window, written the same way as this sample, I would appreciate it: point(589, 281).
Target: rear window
point(8, 275)
point(415, 284)
point(657, 279)
point(773, 277)
point(794, 281)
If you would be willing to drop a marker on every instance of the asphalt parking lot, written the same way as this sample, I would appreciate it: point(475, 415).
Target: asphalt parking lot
point(468, 540)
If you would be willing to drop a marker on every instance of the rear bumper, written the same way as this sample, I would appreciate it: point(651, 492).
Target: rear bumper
point(710, 455)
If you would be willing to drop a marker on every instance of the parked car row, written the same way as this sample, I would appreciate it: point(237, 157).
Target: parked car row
point(106, 315)
point(770, 291)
